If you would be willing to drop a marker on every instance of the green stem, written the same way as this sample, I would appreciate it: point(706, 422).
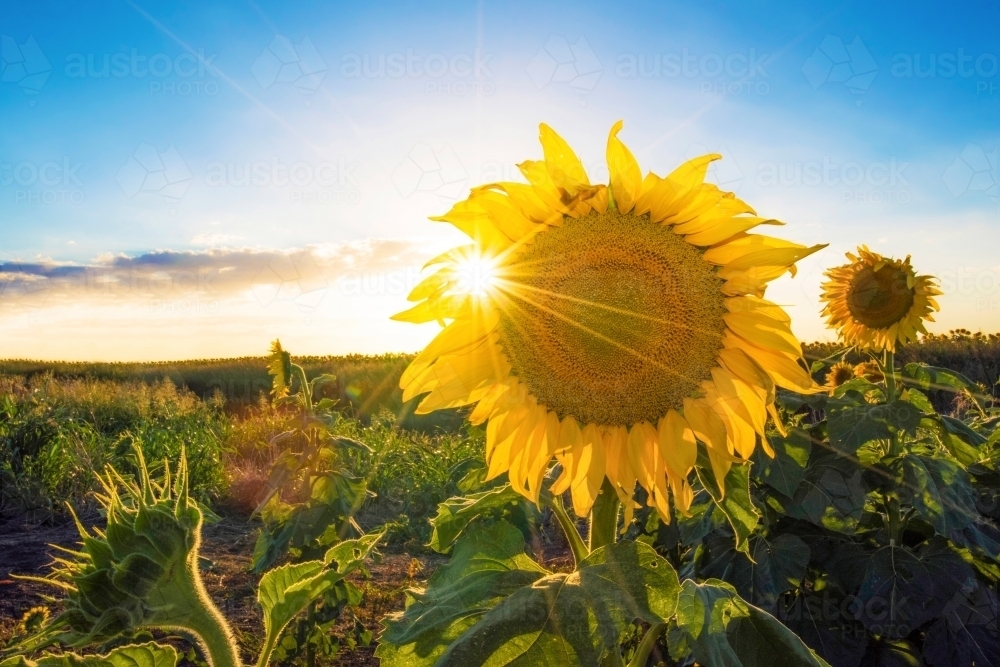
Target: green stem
point(196, 615)
point(579, 549)
point(646, 645)
point(895, 523)
point(604, 517)
point(889, 373)
point(215, 637)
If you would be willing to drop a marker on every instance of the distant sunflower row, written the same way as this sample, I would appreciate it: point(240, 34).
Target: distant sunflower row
point(614, 326)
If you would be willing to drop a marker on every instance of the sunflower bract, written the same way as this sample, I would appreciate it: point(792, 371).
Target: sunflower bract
point(620, 325)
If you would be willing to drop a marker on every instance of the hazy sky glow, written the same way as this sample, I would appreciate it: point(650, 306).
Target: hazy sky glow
point(190, 179)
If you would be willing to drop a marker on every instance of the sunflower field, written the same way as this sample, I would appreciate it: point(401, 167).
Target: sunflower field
point(614, 453)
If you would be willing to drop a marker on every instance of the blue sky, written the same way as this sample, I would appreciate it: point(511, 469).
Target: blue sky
point(183, 179)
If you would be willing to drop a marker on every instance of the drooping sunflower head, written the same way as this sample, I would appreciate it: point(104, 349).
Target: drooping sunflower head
point(869, 370)
point(838, 374)
point(874, 301)
point(609, 326)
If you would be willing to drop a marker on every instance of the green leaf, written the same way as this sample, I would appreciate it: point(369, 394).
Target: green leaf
point(791, 455)
point(832, 493)
point(737, 504)
point(939, 489)
point(772, 567)
point(286, 591)
point(487, 565)
point(963, 452)
point(852, 421)
point(897, 593)
point(720, 629)
point(136, 655)
point(823, 622)
point(919, 400)
point(966, 632)
point(573, 619)
point(455, 514)
point(960, 428)
point(889, 653)
point(931, 377)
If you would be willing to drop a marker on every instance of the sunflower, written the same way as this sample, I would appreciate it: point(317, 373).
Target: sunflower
point(875, 302)
point(870, 370)
point(838, 374)
point(608, 326)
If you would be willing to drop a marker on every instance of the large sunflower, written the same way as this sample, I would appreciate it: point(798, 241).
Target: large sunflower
point(875, 302)
point(607, 326)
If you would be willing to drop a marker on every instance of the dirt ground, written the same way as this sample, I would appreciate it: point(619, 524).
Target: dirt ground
point(228, 544)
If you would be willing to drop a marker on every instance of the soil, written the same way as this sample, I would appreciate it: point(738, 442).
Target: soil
point(228, 544)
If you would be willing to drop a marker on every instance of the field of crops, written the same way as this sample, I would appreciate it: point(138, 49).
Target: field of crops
point(407, 479)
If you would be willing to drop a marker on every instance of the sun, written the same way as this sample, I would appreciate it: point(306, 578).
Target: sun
point(476, 275)
point(610, 327)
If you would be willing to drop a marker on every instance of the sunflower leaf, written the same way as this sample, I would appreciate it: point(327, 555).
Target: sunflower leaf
point(137, 655)
point(737, 504)
point(718, 627)
point(784, 472)
point(573, 619)
point(488, 564)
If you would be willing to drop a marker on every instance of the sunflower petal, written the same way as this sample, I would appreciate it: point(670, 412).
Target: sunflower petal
point(626, 179)
point(564, 167)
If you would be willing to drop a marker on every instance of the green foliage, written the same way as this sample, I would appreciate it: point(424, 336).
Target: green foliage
point(142, 574)
point(715, 626)
point(136, 655)
point(492, 604)
point(877, 542)
point(329, 497)
point(55, 434)
point(287, 591)
point(366, 384)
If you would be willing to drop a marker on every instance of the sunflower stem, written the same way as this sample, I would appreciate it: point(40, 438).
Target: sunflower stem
point(646, 645)
point(576, 544)
point(889, 373)
point(604, 517)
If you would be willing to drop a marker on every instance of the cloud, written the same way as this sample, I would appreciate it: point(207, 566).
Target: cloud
point(215, 273)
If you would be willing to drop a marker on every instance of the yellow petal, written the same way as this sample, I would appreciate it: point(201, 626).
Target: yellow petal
point(590, 471)
point(453, 376)
point(781, 368)
point(447, 307)
point(626, 179)
point(739, 431)
point(677, 444)
point(568, 453)
point(725, 229)
point(666, 196)
point(469, 217)
point(564, 167)
point(488, 402)
point(759, 329)
point(529, 203)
